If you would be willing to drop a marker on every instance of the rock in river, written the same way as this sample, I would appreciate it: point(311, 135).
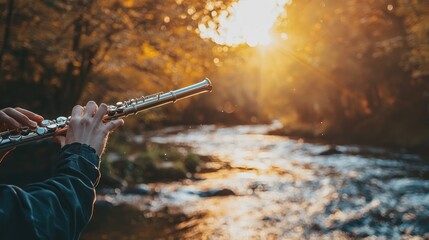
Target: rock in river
point(140, 189)
point(217, 193)
point(332, 150)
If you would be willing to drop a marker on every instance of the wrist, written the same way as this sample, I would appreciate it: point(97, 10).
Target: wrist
point(83, 149)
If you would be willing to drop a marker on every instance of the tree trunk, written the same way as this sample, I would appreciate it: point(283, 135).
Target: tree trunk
point(7, 27)
point(66, 95)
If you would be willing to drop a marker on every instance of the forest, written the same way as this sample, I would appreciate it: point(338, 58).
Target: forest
point(350, 70)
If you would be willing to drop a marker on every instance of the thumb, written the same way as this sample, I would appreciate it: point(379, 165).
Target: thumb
point(60, 140)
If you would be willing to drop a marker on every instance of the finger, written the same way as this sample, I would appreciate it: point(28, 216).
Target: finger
point(19, 117)
point(77, 111)
point(60, 140)
point(90, 109)
point(102, 110)
point(29, 114)
point(112, 125)
point(8, 121)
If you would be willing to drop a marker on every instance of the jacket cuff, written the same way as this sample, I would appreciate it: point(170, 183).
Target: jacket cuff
point(81, 161)
point(82, 149)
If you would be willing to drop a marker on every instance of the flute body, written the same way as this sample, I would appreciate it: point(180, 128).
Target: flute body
point(50, 128)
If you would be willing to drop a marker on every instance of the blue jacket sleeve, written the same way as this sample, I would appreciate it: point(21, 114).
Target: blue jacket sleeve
point(58, 208)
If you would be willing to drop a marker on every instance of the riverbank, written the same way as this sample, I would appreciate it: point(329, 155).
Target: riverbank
point(393, 138)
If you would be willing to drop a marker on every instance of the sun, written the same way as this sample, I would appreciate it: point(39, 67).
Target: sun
point(244, 22)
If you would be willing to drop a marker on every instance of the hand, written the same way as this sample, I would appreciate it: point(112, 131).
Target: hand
point(87, 127)
point(13, 118)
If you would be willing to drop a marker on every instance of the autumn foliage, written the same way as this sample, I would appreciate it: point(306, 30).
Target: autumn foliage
point(354, 70)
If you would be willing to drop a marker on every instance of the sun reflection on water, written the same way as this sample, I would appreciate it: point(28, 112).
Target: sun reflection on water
point(244, 22)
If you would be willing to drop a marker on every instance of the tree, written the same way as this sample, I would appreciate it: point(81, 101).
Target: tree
point(52, 49)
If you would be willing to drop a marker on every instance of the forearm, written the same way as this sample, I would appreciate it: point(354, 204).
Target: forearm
point(58, 208)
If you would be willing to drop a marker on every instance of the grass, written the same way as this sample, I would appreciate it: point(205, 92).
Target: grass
point(138, 163)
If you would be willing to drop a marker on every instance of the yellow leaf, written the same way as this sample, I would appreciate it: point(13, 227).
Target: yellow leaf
point(148, 50)
point(128, 3)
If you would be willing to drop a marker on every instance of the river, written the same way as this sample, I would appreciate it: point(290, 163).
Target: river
point(281, 188)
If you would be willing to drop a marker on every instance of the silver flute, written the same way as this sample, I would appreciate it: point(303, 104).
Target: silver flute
point(50, 128)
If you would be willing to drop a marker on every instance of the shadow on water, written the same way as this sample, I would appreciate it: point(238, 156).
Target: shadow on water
point(271, 187)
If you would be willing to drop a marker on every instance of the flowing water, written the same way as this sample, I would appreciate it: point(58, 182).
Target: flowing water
point(281, 188)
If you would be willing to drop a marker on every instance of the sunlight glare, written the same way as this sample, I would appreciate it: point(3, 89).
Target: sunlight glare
point(245, 21)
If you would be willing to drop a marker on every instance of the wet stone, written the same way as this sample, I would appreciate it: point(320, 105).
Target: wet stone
point(271, 219)
point(141, 189)
point(259, 186)
point(331, 151)
point(217, 193)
